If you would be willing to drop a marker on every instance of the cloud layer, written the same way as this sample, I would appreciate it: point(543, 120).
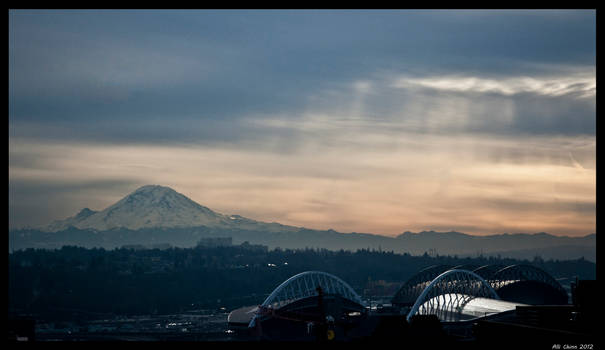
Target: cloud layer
point(367, 121)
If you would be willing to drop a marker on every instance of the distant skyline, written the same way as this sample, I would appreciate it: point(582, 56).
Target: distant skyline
point(478, 121)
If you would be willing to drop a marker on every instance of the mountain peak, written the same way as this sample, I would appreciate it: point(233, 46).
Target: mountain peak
point(147, 206)
point(155, 206)
point(159, 197)
point(431, 233)
point(154, 189)
point(84, 213)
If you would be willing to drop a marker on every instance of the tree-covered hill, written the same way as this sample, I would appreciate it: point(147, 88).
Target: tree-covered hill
point(75, 281)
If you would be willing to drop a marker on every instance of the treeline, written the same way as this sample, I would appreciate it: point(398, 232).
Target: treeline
point(74, 281)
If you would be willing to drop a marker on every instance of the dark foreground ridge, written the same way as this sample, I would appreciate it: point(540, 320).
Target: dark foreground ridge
point(187, 294)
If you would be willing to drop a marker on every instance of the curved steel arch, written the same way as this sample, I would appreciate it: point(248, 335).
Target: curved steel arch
point(468, 267)
point(304, 285)
point(460, 286)
point(488, 271)
point(521, 272)
point(413, 287)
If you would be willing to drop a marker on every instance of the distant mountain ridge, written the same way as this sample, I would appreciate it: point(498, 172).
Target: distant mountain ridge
point(517, 244)
point(158, 214)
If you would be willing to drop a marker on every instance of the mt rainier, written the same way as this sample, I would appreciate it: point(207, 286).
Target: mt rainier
point(157, 214)
point(154, 206)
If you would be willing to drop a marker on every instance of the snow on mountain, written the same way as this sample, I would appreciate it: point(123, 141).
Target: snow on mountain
point(151, 207)
point(155, 206)
point(71, 221)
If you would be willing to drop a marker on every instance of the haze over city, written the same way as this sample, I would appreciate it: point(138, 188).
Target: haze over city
point(361, 121)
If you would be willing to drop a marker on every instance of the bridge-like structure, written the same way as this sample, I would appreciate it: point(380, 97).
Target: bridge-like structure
point(306, 285)
point(517, 273)
point(447, 294)
point(415, 285)
point(454, 293)
point(498, 276)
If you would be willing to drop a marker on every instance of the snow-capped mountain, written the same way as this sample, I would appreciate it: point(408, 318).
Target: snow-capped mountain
point(158, 214)
point(155, 206)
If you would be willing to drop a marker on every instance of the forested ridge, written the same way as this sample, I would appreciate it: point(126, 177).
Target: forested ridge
point(92, 282)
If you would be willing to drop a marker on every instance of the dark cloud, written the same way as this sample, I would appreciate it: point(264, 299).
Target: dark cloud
point(562, 116)
point(290, 82)
point(88, 69)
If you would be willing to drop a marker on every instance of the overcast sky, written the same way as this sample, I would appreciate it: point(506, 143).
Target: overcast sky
point(360, 121)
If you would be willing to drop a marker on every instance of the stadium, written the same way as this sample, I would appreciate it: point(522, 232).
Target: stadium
point(446, 302)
